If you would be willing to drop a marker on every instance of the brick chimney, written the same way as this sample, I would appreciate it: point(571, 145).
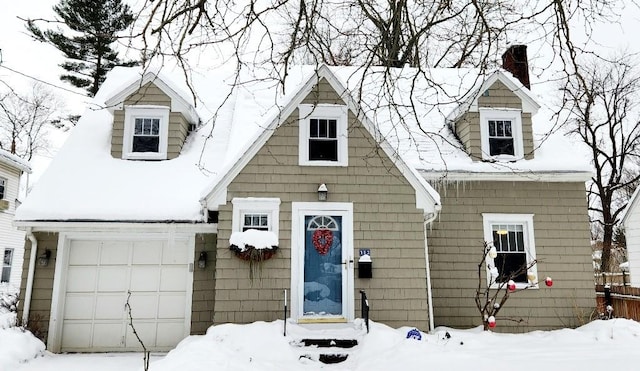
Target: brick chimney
point(515, 61)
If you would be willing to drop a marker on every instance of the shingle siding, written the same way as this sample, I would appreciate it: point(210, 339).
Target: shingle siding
point(150, 94)
point(385, 220)
point(562, 246)
point(203, 285)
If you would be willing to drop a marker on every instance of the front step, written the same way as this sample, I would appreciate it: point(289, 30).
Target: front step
point(325, 350)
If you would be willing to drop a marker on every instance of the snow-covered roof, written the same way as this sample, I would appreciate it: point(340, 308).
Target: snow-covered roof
point(84, 182)
point(10, 159)
point(632, 204)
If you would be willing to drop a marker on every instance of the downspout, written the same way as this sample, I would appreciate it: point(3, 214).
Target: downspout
point(428, 218)
point(32, 270)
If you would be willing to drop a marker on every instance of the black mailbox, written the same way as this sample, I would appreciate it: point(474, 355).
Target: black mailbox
point(365, 267)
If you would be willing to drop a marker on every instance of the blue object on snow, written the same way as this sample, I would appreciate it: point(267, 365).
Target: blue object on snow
point(414, 334)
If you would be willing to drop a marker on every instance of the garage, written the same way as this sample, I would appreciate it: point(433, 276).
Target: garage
point(100, 273)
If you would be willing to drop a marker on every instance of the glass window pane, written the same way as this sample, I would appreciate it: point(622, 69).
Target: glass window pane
point(333, 129)
point(492, 128)
point(499, 128)
point(146, 144)
point(155, 127)
point(323, 150)
point(507, 128)
point(138, 128)
point(313, 128)
point(323, 128)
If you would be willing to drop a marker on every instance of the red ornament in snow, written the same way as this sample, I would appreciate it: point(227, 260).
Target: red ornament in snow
point(511, 285)
point(491, 321)
point(322, 240)
point(548, 281)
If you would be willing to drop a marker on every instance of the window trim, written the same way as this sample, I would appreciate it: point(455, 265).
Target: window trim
point(131, 113)
point(322, 111)
point(515, 115)
point(253, 205)
point(489, 219)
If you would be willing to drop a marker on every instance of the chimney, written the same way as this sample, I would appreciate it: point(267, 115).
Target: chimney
point(515, 61)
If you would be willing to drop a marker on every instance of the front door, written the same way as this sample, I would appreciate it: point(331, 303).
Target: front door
point(323, 252)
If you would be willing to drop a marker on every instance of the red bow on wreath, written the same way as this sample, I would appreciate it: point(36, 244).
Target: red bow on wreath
point(322, 240)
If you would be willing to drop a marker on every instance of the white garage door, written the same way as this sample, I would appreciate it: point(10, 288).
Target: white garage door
point(99, 275)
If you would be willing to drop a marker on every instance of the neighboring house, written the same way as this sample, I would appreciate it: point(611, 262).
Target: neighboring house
point(631, 223)
point(11, 239)
point(148, 196)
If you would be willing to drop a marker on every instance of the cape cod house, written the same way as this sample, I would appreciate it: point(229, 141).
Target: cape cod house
point(11, 239)
point(391, 190)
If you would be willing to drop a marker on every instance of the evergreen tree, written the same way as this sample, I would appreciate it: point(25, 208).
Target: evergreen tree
point(88, 47)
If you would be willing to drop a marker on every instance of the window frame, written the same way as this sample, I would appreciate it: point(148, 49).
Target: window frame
point(526, 220)
point(502, 114)
point(308, 112)
point(4, 267)
point(131, 113)
point(253, 205)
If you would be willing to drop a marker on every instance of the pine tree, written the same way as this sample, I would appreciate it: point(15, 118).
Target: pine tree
point(88, 47)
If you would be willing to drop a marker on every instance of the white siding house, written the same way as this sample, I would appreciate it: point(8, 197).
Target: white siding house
point(631, 222)
point(11, 239)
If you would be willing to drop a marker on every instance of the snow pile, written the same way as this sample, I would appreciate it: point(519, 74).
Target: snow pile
point(16, 344)
point(253, 238)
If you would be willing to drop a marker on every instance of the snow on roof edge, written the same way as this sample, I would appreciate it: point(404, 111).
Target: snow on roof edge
point(15, 161)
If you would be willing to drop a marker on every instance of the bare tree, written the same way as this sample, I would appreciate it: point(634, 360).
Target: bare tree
point(602, 105)
point(23, 120)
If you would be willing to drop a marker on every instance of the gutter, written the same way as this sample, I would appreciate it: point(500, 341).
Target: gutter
point(32, 269)
point(428, 218)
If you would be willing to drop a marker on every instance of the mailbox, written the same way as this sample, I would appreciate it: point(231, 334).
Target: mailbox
point(364, 267)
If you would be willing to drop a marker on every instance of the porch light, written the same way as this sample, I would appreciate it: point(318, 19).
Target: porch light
point(43, 260)
point(322, 192)
point(202, 260)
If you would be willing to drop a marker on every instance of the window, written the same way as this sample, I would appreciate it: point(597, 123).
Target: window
point(255, 213)
point(145, 132)
point(6, 265)
point(501, 134)
point(323, 135)
point(255, 221)
point(512, 237)
point(3, 185)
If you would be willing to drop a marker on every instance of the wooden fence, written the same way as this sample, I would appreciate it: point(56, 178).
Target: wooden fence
point(625, 301)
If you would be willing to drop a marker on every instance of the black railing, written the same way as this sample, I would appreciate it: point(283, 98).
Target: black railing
point(285, 313)
point(364, 305)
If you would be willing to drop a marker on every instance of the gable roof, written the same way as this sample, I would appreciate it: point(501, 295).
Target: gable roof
point(12, 160)
point(631, 205)
point(408, 118)
point(179, 99)
point(426, 197)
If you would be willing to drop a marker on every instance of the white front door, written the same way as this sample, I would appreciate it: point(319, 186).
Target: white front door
point(322, 262)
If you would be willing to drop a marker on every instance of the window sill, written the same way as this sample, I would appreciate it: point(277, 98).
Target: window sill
point(144, 156)
point(324, 163)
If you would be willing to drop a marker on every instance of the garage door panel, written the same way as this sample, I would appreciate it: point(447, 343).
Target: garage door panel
point(176, 254)
point(147, 252)
point(76, 335)
point(173, 278)
point(170, 334)
point(115, 253)
point(81, 279)
point(84, 252)
point(113, 278)
point(110, 306)
point(172, 306)
point(79, 307)
point(108, 335)
point(146, 331)
point(145, 278)
point(143, 306)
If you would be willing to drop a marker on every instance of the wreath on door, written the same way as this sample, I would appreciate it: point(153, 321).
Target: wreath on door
point(322, 240)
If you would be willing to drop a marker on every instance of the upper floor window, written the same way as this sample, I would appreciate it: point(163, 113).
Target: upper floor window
point(258, 221)
point(501, 134)
point(146, 129)
point(323, 135)
point(3, 188)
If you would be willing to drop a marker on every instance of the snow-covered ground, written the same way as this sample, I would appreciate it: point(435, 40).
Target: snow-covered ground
point(613, 344)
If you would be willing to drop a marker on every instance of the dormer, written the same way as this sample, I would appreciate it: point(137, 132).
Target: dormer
point(494, 121)
point(151, 120)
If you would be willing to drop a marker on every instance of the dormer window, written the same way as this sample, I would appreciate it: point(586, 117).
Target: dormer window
point(323, 135)
point(501, 134)
point(145, 132)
